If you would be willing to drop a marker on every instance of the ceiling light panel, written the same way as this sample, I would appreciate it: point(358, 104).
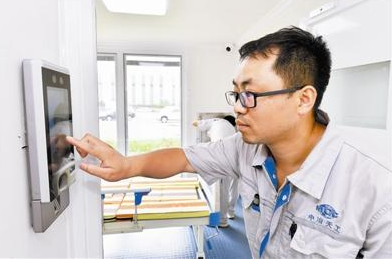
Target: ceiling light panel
point(142, 7)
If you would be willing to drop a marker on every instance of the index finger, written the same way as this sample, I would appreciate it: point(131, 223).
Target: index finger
point(87, 146)
point(91, 139)
point(80, 147)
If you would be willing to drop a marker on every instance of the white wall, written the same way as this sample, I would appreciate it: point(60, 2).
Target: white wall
point(61, 32)
point(285, 13)
point(207, 73)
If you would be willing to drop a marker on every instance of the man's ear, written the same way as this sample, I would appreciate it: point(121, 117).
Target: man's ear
point(307, 98)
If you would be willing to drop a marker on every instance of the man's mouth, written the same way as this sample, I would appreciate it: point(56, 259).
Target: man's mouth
point(241, 124)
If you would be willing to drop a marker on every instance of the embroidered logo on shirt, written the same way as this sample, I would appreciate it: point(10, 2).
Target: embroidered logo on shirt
point(319, 221)
point(327, 211)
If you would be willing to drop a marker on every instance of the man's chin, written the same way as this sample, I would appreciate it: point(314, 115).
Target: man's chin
point(250, 140)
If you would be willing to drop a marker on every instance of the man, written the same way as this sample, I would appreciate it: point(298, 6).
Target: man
point(217, 129)
point(306, 191)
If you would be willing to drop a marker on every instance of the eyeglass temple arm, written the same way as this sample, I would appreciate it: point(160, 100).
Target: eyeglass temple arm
point(279, 91)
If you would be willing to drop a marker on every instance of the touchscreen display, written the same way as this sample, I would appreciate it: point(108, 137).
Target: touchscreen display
point(58, 117)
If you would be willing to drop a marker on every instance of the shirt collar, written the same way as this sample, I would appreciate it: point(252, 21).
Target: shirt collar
point(313, 174)
point(260, 156)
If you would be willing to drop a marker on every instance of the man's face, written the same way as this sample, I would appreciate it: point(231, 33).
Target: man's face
point(275, 116)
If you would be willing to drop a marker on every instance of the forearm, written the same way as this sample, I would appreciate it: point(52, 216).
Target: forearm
point(159, 164)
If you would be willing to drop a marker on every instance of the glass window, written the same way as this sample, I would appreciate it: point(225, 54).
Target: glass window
point(107, 98)
point(153, 87)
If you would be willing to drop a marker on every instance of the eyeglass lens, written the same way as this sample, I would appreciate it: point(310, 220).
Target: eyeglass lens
point(231, 98)
point(247, 99)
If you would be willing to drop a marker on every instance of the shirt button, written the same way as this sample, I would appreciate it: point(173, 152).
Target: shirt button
point(284, 197)
point(274, 176)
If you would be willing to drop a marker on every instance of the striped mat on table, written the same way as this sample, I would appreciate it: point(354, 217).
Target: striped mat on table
point(169, 198)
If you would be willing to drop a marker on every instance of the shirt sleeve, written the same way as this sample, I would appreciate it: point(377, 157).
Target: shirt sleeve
point(215, 160)
point(379, 236)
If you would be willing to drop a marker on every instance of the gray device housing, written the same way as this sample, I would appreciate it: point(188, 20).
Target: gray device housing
point(49, 191)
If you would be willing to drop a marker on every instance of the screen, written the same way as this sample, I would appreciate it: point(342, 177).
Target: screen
point(58, 119)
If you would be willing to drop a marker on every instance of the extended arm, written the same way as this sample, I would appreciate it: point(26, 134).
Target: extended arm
point(114, 166)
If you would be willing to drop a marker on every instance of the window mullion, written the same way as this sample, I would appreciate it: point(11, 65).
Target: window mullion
point(120, 105)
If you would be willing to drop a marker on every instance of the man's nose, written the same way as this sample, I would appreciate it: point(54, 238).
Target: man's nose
point(238, 108)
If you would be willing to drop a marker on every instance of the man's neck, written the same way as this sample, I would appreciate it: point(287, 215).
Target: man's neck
point(289, 154)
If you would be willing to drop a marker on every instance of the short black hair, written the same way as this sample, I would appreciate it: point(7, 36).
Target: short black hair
point(230, 118)
point(302, 58)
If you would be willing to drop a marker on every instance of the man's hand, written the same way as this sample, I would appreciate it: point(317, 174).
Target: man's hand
point(114, 166)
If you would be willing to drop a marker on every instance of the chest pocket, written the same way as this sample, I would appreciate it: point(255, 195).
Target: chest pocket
point(311, 243)
point(251, 214)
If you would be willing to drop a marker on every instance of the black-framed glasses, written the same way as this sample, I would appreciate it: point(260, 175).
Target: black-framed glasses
point(248, 99)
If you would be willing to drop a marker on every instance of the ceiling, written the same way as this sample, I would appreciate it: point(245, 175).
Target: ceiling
point(187, 21)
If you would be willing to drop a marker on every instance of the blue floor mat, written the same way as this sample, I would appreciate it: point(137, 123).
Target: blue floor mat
point(173, 243)
point(179, 242)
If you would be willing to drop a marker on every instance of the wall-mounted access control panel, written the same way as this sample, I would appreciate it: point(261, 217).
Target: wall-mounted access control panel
point(48, 115)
